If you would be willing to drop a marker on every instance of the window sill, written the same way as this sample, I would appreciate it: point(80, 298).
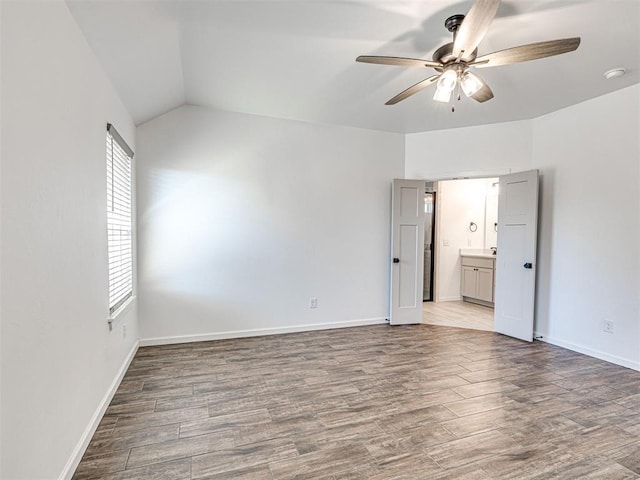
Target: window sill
point(122, 311)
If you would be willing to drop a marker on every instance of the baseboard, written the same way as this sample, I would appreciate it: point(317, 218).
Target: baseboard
point(623, 362)
point(477, 301)
point(82, 445)
point(259, 332)
point(449, 299)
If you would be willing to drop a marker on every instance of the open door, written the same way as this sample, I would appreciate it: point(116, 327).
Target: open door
point(516, 260)
point(407, 250)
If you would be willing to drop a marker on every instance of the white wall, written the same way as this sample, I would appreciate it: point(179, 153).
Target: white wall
point(58, 357)
point(242, 219)
point(590, 232)
point(588, 254)
point(491, 215)
point(482, 151)
point(459, 202)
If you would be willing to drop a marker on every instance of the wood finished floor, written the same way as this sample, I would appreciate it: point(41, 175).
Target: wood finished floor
point(458, 314)
point(378, 402)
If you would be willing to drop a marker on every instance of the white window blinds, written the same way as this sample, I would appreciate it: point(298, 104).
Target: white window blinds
point(119, 224)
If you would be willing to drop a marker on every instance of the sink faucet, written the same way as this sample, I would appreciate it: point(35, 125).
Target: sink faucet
point(494, 250)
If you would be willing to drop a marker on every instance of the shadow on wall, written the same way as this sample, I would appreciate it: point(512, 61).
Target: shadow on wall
point(544, 277)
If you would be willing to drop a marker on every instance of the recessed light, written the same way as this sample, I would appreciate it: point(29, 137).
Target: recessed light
point(614, 73)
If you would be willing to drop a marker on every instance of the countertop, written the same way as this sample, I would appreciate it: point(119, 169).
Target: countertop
point(476, 252)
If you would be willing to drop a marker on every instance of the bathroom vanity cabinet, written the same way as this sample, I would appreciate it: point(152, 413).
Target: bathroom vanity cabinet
point(477, 279)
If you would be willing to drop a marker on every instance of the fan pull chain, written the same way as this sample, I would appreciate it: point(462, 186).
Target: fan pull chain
point(458, 96)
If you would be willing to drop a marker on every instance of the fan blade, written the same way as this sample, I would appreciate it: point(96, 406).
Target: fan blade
point(483, 94)
point(524, 53)
point(413, 89)
point(399, 61)
point(474, 27)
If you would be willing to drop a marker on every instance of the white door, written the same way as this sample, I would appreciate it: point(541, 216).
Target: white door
point(516, 259)
point(407, 251)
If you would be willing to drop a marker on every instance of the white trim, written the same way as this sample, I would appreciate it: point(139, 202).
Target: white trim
point(202, 337)
point(623, 362)
point(124, 309)
point(78, 451)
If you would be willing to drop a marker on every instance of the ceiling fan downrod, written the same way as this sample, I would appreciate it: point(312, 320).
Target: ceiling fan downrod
point(453, 23)
point(444, 54)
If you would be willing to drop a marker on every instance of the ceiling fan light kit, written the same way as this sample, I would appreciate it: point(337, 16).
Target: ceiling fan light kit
point(452, 61)
point(445, 85)
point(442, 95)
point(470, 83)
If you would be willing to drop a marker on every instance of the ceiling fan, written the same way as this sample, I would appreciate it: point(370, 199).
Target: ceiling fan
point(453, 61)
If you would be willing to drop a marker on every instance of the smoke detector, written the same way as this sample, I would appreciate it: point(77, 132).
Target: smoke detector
point(614, 73)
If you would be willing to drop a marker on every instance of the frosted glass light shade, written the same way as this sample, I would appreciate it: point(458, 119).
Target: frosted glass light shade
point(442, 95)
point(470, 84)
point(448, 80)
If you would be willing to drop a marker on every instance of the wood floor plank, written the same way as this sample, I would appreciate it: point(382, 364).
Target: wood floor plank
point(243, 456)
point(479, 422)
point(628, 456)
point(93, 466)
point(337, 461)
point(483, 403)
point(180, 448)
point(470, 449)
point(255, 472)
point(118, 440)
point(529, 462)
point(458, 314)
point(138, 421)
point(173, 470)
point(252, 418)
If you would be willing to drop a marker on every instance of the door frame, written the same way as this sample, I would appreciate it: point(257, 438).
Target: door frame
point(436, 181)
point(432, 272)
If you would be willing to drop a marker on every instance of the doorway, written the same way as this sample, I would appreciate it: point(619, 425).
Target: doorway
point(429, 243)
point(513, 267)
point(464, 221)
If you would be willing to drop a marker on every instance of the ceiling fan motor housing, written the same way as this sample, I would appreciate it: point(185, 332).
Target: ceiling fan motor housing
point(445, 55)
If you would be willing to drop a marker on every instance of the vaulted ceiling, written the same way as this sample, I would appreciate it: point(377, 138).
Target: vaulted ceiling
point(296, 59)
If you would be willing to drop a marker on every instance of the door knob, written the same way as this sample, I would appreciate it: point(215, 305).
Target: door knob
point(528, 265)
point(396, 260)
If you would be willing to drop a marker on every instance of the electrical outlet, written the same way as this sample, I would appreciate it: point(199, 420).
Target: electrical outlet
point(313, 302)
point(445, 243)
point(608, 326)
point(124, 331)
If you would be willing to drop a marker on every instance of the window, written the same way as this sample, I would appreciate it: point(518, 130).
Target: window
point(119, 223)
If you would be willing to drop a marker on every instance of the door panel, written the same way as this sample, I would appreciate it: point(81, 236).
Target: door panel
point(517, 236)
point(469, 282)
point(407, 247)
point(408, 268)
point(485, 284)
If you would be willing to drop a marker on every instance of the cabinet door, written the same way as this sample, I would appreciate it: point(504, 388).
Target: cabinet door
point(469, 282)
point(485, 284)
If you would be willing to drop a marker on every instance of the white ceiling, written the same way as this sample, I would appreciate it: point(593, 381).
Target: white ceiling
point(296, 59)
